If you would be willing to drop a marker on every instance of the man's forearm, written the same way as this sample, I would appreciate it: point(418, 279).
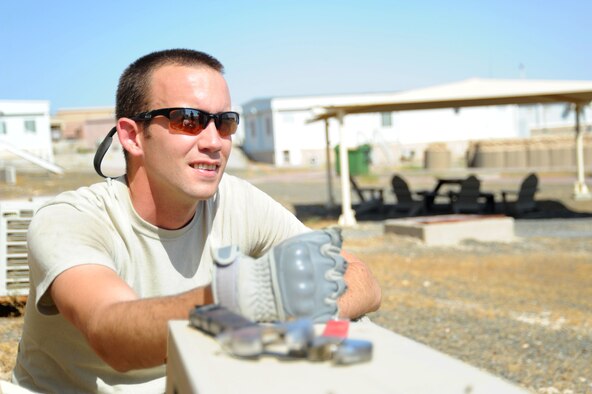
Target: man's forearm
point(133, 334)
point(363, 293)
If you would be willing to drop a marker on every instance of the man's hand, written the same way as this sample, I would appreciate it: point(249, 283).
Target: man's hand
point(300, 277)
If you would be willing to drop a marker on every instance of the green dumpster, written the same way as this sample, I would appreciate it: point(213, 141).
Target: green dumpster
point(359, 160)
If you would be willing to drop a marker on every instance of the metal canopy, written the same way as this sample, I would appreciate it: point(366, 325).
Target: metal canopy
point(469, 93)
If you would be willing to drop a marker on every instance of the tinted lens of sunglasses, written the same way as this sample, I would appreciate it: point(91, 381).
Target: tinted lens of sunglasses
point(227, 123)
point(191, 121)
point(187, 120)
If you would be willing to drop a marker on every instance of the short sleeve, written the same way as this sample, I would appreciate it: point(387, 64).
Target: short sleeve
point(60, 237)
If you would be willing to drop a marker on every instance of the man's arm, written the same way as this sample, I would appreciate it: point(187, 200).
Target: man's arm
point(363, 292)
point(125, 331)
point(130, 333)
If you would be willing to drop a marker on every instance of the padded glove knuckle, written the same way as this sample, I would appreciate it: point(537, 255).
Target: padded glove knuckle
point(300, 277)
point(297, 279)
point(299, 282)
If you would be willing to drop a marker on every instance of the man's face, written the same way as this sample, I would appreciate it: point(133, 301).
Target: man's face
point(181, 167)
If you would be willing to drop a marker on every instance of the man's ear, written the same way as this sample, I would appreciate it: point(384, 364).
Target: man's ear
point(128, 133)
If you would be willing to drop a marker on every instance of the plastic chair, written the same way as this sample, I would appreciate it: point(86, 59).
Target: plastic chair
point(467, 199)
point(405, 200)
point(524, 201)
point(371, 199)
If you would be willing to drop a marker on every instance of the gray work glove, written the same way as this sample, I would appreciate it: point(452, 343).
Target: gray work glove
point(301, 277)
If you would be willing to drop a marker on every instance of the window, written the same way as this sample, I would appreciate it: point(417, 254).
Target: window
point(268, 127)
point(30, 126)
point(2, 127)
point(286, 156)
point(387, 119)
point(253, 129)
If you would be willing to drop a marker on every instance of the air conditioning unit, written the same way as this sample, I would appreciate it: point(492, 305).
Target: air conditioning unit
point(15, 217)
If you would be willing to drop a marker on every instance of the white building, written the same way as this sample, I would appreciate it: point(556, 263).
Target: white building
point(277, 132)
point(25, 126)
point(276, 129)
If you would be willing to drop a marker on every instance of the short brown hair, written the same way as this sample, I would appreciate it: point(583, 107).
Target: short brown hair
point(134, 84)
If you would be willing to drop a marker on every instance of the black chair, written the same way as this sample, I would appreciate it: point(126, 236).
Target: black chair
point(371, 198)
point(406, 202)
point(467, 199)
point(524, 200)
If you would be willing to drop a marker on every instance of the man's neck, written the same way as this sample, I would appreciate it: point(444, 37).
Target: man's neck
point(158, 208)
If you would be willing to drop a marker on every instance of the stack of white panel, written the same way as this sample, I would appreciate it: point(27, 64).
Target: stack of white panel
point(15, 217)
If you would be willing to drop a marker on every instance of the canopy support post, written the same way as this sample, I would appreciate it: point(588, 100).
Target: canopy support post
point(347, 218)
point(331, 198)
point(581, 191)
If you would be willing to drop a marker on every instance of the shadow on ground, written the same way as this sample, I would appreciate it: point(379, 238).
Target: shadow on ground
point(546, 209)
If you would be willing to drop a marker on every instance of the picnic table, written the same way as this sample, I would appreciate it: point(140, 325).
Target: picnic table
point(430, 196)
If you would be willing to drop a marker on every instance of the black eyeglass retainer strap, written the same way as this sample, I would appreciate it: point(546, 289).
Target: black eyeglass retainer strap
point(102, 150)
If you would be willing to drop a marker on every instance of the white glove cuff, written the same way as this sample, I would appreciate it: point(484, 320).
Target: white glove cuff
point(243, 285)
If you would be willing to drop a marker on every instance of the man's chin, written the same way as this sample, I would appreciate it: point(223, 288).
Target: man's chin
point(204, 189)
point(204, 193)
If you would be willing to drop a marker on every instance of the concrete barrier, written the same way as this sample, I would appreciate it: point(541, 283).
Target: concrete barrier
point(437, 156)
point(562, 155)
point(452, 229)
point(197, 364)
point(541, 152)
point(538, 155)
point(489, 154)
point(515, 155)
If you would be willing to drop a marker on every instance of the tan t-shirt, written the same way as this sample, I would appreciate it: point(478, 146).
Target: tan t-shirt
point(98, 225)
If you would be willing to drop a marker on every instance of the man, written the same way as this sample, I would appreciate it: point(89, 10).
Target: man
point(113, 262)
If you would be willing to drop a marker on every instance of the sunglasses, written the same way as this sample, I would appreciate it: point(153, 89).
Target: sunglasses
point(193, 121)
point(184, 120)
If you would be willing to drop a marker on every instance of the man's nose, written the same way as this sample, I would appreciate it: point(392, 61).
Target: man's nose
point(209, 138)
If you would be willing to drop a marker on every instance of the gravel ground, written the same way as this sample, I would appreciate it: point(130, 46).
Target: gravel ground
point(521, 310)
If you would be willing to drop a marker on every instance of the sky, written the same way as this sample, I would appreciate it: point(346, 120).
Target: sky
point(73, 52)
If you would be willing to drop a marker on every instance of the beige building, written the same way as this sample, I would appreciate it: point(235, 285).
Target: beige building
point(83, 124)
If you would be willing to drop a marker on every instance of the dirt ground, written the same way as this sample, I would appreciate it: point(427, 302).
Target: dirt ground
point(520, 310)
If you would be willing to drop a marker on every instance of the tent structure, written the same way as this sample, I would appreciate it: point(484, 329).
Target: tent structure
point(469, 93)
